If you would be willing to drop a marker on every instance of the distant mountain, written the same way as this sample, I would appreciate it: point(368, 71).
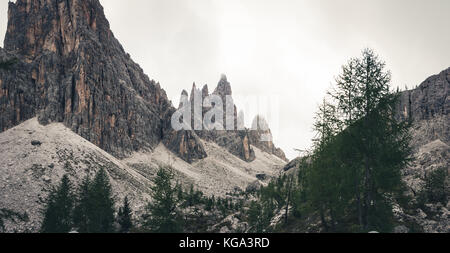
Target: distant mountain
point(240, 140)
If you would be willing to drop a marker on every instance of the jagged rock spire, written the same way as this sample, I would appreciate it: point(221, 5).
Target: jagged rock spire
point(224, 87)
point(184, 96)
point(205, 91)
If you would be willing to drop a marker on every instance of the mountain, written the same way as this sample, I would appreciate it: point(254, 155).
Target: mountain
point(73, 102)
point(428, 106)
point(71, 69)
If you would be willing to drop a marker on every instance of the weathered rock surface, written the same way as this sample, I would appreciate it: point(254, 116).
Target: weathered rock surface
point(71, 69)
point(428, 106)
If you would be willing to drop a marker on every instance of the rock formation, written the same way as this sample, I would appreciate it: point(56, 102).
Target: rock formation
point(238, 141)
point(428, 106)
point(71, 69)
point(261, 137)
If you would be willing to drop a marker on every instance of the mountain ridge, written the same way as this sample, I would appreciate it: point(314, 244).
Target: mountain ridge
point(82, 76)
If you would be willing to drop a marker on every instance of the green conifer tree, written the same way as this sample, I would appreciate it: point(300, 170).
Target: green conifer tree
point(124, 217)
point(83, 206)
point(101, 216)
point(162, 214)
point(94, 212)
point(59, 208)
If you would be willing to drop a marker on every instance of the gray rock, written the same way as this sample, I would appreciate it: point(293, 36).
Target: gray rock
point(261, 177)
point(401, 230)
point(253, 187)
point(293, 164)
point(36, 143)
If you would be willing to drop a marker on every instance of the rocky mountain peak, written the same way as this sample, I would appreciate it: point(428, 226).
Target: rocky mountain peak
point(223, 87)
point(183, 97)
point(195, 93)
point(36, 26)
point(260, 123)
point(205, 91)
point(239, 141)
point(262, 138)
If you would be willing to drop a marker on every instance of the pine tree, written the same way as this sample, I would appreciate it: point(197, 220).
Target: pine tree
point(59, 207)
point(325, 177)
point(361, 148)
point(124, 217)
point(102, 209)
point(83, 206)
point(162, 214)
point(94, 212)
point(384, 143)
point(260, 215)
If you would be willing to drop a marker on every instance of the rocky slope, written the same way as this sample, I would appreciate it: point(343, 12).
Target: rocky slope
point(34, 158)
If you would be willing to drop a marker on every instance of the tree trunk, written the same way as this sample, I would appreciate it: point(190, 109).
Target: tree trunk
point(322, 218)
point(358, 203)
point(367, 197)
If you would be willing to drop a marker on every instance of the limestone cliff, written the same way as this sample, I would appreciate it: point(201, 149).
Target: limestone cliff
point(71, 69)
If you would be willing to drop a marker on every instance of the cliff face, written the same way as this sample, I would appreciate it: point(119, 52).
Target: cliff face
point(428, 106)
point(71, 69)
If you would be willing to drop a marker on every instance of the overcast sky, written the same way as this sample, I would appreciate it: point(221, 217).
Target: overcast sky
point(292, 49)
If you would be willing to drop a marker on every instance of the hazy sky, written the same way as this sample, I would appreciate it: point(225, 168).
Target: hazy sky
point(292, 49)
